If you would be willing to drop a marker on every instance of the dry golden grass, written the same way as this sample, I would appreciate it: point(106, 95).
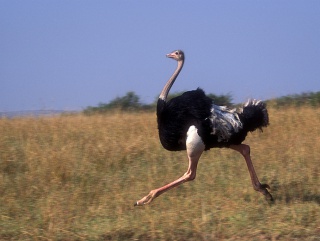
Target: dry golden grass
point(77, 178)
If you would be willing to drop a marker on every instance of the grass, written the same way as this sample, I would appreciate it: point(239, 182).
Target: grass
point(77, 177)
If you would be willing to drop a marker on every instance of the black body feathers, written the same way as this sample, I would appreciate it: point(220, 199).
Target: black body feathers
point(178, 114)
point(195, 108)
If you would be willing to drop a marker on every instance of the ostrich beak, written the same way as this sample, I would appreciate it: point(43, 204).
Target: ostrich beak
point(171, 55)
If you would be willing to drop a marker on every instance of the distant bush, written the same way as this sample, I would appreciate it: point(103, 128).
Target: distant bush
point(131, 102)
point(225, 100)
point(309, 98)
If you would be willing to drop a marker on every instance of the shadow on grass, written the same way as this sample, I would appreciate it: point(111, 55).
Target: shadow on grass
point(178, 235)
point(294, 191)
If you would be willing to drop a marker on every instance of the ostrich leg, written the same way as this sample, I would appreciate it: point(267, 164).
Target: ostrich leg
point(195, 147)
point(244, 150)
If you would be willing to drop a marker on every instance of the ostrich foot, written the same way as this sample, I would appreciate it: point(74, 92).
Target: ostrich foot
point(263, 188)
point(147, 199)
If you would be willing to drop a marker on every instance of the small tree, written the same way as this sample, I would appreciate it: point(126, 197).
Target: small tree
point(225, 100)
point(130, 101)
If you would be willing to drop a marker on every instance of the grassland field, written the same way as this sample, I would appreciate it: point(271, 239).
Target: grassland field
point(77, 177)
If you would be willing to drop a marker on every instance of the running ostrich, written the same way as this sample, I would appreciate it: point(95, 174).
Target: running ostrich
point(194, 123)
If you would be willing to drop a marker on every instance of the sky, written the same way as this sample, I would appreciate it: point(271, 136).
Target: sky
point(68, 55)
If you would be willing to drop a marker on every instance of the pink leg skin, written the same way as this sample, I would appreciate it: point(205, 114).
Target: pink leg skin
point(195, 147)
point(188, 176)
point(244, 150)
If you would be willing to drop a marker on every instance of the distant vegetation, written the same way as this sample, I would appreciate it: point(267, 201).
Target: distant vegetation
point(309, 98)
point(131, 102)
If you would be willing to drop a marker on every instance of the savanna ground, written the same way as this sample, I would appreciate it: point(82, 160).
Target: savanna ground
point(77, 177)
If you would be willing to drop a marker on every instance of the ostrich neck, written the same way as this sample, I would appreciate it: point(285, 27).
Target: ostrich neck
point(167, 87)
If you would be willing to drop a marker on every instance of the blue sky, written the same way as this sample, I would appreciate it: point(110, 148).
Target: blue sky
point(67, 55)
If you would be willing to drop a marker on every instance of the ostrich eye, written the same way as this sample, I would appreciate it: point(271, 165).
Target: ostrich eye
point(177, 53)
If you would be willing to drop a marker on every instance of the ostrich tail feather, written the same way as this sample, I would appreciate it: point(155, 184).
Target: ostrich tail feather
point(254, 115)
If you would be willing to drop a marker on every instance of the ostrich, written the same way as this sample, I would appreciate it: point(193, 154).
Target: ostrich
point(192, 122)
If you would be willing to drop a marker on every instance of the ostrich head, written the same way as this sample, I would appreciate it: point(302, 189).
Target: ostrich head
point(176, 55)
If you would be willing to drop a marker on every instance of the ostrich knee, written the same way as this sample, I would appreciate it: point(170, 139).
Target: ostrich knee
point(189, 177)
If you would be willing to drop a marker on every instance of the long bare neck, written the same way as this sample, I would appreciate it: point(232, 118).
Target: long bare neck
point(167, 87)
